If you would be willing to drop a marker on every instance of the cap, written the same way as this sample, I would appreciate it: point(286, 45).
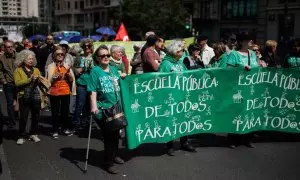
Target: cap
point(63, 42)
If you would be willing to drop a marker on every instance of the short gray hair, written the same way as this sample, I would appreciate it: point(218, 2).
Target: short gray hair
point(23, 55)
point(114, 48)
point(75, 50)
point(174, 47)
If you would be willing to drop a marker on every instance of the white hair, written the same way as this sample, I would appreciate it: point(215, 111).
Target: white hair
point(22, 57)
point(174, 47)
point(114, 48)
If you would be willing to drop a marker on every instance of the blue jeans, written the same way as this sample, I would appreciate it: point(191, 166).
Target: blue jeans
point(82, 106)
point(10, 95)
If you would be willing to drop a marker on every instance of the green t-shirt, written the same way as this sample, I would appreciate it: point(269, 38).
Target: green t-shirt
point(87, 64)
point(237, 59)
point(218, 63)
point(101, 82)
point(120, 66)
point(292, 61)
point(171, 65)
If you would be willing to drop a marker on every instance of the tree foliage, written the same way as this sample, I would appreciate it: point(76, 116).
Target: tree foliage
point(165, 17)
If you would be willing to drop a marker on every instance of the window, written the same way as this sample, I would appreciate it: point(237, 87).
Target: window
point(92, 2)
point(81, 4)
point(69, 5)
point(76, 5)
point(239, 9)
point(285, 1)
point(58, 6)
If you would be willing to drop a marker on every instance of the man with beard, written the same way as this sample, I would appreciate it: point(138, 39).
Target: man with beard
point(44, 52)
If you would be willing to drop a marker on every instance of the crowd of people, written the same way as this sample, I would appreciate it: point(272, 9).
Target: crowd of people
point(83, 81)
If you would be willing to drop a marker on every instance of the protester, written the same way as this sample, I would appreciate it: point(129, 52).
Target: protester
point(44, 52)
point(256, 49)
point(26, 44)
point(193, 60)
point(150, 58)
point(242, 57)
point(105, 92)
point(68, 58)
point(29, 97)
point(62, 85)
point(35, 46)
point(171, 63)
point(207, 53)
point(136, 62)
point(82, 105)
point(116, 59)
point(149, 33)
point(270, 54)
point(7, 68)
point(293, 58)
point(220, 59)
point(125, 60)
point(160, 49)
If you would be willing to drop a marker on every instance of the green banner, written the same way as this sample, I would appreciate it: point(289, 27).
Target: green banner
point(164, 106)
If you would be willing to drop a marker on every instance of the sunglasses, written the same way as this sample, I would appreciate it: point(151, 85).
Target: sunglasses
point(60, 54)
point(104, 55)
point(87, 46)
point(255, 50)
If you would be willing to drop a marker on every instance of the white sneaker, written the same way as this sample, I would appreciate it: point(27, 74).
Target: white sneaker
point(55, 135)
point(20, 141)
point(35, 138)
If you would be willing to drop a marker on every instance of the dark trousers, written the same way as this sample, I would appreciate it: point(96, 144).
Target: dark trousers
point(60, 105)
point(239, 139)
point(82, 106)
point(25, 109)
point(1, 128)
point(183, 141)
point(111, 144)
point(11, 96)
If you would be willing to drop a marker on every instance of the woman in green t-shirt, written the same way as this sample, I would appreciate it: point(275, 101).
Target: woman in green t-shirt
point(220, 59)
point(292, 60)
point(242, 57)
point(104, 82)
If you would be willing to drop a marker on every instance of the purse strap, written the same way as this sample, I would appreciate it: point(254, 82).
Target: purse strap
point(248, 58)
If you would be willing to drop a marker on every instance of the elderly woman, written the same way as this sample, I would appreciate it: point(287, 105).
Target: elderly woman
point(116, 58)
point(293, 58)
point(220, 59)
point(172, 63)
point(26, 80)
point(82, 73)
point(270, 54)
point(242, 57)
point(193, 60)
point(62, 81)
point(105, 92)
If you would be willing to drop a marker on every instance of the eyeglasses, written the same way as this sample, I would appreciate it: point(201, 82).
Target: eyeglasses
point(60, 54)
point(104, 55)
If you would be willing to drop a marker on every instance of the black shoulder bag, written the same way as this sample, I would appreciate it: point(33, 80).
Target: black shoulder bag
point(114, 116)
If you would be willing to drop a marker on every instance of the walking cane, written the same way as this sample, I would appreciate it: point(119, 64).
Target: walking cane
point(88, 145)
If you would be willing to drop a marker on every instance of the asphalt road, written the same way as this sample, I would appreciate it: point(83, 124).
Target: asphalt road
point(276, 157)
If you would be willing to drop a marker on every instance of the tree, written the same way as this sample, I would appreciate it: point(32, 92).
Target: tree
point(2, 32)
point(165, 18)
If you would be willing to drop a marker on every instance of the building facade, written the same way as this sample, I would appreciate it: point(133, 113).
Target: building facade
point(15, 13)
point(265, 19)
point(85, 15)
point(46, 14)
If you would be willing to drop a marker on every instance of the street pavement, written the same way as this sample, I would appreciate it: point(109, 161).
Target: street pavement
point(276, 157)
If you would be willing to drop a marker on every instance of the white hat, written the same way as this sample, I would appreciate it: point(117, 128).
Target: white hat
point(63, 42)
